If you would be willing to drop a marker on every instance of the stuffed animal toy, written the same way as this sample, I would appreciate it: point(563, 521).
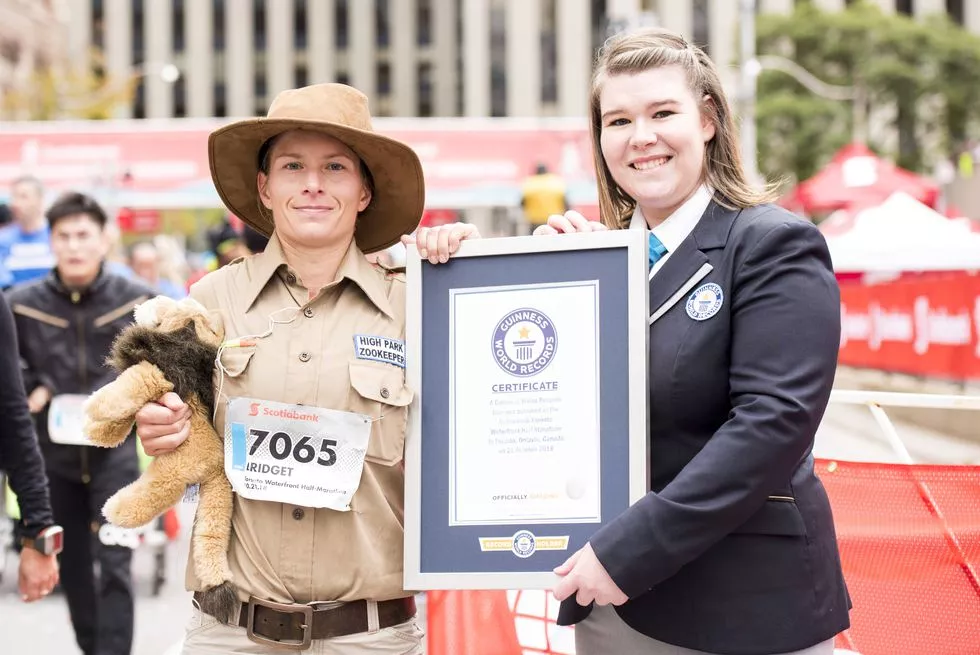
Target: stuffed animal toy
point(172, 347)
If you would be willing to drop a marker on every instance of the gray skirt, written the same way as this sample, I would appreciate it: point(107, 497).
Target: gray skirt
point(604, 633)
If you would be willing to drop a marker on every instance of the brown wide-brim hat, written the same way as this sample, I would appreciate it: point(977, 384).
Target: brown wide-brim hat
point(339, 111)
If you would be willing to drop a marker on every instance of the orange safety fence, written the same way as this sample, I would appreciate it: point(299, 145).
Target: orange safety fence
point(909, 538)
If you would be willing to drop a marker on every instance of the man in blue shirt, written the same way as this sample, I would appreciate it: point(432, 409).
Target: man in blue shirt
point(25, 248)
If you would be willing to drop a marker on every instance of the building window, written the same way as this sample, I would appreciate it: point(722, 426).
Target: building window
point(701, 25)
point(904, 7)
point(498, 61)
point(258, 26)
point(180, 97)
point(139, 101)
point(139, 42)
point(177, 18)
point(343, 78)
point(955, 9)
point(382, 23)
point(384, 78)
point(299, 24)
point(423, 22)
point(340, 22)
point(220, 100)
point(549, 55)
point(218, 24)
point(98, 27)
point(426, 105)
point(600, 24)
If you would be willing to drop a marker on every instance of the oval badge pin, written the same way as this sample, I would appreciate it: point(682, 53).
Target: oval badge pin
point(705, 301)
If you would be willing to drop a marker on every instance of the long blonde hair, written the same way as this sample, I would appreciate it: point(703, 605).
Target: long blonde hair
point(635, 52)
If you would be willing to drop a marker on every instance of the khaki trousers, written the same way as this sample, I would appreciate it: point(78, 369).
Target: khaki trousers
point(604, 633)
point(207, 636)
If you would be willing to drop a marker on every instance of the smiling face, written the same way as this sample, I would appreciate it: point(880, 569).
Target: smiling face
point(313, 188)
point(652, 135)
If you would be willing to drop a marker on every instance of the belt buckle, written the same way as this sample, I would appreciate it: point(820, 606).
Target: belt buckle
point(305, 610)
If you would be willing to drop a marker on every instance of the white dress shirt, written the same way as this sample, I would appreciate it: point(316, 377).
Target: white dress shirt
point(676, 227)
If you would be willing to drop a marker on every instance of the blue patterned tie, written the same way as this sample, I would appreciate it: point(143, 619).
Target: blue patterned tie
point(657, 249)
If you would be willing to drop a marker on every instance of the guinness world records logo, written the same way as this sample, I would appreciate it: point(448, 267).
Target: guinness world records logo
point(524, 342)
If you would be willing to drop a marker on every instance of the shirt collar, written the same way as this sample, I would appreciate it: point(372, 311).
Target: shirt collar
point(354, 267)
point(678, 225)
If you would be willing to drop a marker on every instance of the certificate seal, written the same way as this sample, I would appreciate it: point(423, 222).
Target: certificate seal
point(523, 544)
point(524, 342)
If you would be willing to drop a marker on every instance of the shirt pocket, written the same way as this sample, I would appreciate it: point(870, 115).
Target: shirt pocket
point(231, 375)
point(380, 392)
point(234, 361)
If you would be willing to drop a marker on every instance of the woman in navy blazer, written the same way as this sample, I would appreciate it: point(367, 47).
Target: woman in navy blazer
point(733, 552)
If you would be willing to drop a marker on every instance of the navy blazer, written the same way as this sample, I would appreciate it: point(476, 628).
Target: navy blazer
point(734, 550)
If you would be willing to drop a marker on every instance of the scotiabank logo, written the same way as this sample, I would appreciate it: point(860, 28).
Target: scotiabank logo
point(289, 413)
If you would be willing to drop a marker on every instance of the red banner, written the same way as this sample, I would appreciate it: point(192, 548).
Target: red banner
point(473, 161)
point(928, 326)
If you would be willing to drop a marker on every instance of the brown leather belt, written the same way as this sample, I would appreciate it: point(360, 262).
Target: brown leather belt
point(294, 627)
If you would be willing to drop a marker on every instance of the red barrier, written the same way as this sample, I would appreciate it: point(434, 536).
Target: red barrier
point(470, 622)
point(910, 544)
point(927, 326)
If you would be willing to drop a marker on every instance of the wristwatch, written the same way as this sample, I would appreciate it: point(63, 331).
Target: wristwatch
point(48, 541)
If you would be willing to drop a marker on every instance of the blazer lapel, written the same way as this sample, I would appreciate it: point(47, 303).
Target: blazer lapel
point(711, 232)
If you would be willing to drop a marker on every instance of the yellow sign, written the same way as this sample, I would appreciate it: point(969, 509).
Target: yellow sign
point(523, 543)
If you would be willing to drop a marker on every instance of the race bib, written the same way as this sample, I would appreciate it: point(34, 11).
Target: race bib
point(65, 420)
point(294, 454)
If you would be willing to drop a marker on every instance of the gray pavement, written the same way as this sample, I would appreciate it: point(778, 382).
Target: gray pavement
point(43, 628)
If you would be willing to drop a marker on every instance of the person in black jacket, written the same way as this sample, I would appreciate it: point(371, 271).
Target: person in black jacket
point(21, 459)
point(66, 324)
point(733, 550)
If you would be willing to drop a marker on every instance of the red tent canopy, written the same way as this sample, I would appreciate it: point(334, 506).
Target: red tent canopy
point(857, 178)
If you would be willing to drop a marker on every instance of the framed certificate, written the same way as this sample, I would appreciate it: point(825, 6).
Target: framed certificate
point(528, 431)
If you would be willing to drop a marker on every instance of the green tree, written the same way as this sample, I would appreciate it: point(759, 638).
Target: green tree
point(928, 71)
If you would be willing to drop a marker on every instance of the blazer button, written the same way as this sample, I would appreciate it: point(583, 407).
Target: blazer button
point(308, 312)
point(290, 278)
point(384, 392)
point(304, 356)
point(298, 514)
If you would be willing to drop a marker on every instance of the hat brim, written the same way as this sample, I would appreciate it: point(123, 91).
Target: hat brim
point(399, 189)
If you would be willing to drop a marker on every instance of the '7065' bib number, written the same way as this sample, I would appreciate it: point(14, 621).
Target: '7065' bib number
point(294, 454)
point(282, 447)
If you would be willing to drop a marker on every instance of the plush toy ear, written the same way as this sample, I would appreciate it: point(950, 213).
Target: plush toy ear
point(151, 312)
point(212, 319)
point(191, 305)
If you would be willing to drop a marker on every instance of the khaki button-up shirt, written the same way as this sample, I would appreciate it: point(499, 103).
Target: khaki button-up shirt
point(283, 552)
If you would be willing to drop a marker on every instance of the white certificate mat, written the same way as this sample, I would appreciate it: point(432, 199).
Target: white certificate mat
point(524, 438)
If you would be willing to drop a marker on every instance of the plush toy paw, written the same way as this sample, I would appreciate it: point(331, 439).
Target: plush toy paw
point(120, 510)
point(110, 411)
